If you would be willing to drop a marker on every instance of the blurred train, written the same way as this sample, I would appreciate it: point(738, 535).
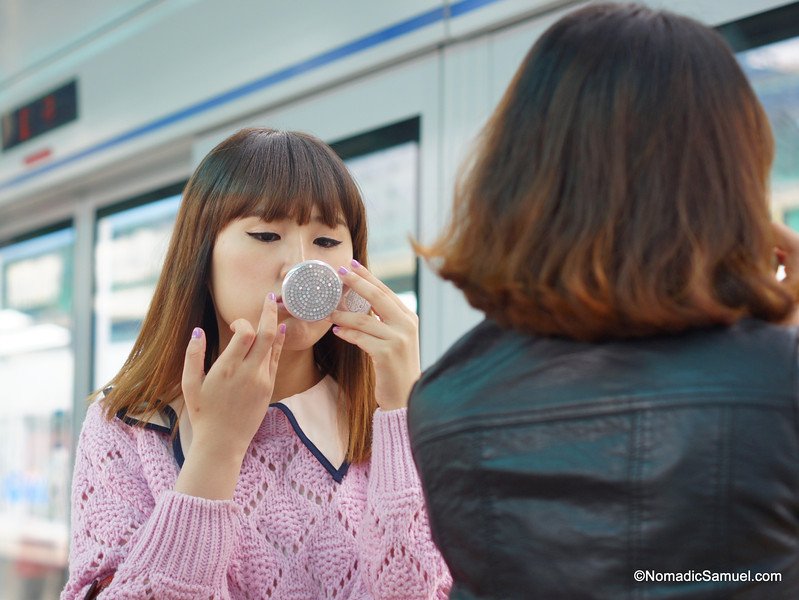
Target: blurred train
point(107, 107)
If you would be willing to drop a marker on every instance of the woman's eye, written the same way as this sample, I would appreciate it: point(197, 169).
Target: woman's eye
point(326, 242)
point(264, 236)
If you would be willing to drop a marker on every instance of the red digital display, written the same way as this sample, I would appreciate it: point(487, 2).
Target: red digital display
point(41, 115)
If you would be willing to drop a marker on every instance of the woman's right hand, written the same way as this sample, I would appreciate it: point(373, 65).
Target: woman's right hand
point(227, 405)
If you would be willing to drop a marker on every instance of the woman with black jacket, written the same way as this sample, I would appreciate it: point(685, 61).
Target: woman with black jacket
point(624, 423)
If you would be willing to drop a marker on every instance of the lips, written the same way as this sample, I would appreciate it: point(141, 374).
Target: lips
point(280, 306)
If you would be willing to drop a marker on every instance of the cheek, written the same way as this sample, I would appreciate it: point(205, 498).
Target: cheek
point(238, 284)
point(340, 256)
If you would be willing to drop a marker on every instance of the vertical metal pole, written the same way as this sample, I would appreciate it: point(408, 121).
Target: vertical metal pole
point(82, 312)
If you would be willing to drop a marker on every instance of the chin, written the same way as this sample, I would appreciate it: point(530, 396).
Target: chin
point(302, 335)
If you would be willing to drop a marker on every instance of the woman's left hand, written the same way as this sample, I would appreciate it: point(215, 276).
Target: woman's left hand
point(392, 340)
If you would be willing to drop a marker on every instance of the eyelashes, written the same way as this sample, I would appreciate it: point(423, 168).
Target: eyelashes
point(268, 236)
point(326, 242)
point(265, 236)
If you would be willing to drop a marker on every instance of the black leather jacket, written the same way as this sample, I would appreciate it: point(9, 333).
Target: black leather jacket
point(557, 469)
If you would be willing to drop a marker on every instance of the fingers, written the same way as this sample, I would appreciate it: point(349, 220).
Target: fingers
point(267, 329)
point(277, 348)
point(384, 301)
point(398, 350)
point(787, 251)
point(240, 344)
point(365, 323)
point(193, 365)
point(371, 345)
point(394, 338)
point(364, 273)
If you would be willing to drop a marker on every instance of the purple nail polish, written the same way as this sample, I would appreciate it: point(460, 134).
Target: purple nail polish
point(282, 328)
point(197, 333)
point(356, 264)
point(343, 271)
point(336, 329)
point(272, 296)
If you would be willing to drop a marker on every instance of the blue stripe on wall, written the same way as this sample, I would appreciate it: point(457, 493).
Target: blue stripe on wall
point(354, 47)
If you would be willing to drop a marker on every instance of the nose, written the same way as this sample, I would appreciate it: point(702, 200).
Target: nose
point(295, 253)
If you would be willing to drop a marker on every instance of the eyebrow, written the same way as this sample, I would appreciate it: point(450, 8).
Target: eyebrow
point(319, 219)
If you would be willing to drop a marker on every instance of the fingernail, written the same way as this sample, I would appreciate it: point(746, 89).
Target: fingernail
point(282, 328)
point(356, 264)
point(197, 333)
point(272, 296)
point(343, 271)
point(336, 329)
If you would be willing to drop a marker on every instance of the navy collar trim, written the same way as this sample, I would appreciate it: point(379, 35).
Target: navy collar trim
point(122, 415)
point(172, 417)
point(337, 474)
point(177, 448)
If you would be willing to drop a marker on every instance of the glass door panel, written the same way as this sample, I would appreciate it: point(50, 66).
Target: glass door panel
point(37, 373)
point(131, 245)
point(385, 163)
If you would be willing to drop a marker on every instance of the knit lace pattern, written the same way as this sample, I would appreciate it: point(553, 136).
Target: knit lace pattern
point(290, 532)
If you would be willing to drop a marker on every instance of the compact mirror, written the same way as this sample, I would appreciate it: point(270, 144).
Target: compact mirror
point(312, 290)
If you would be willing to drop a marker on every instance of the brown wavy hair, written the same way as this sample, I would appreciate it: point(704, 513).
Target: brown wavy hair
point(620, 188)
point(255, 172)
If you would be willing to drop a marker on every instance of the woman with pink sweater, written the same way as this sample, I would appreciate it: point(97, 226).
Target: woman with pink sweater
point(242, 452)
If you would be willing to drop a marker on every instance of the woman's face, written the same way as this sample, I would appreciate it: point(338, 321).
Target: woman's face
point(252, 256)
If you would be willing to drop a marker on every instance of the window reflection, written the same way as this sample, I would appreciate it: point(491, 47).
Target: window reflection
point(773, 70)
point(385, 164)
point(36, 371)
point(387, 179)
point(131, 245)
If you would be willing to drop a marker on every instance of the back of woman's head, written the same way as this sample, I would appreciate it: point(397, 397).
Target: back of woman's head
point(620, 187)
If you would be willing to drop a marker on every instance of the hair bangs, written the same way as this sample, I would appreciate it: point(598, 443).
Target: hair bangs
point(281, 175)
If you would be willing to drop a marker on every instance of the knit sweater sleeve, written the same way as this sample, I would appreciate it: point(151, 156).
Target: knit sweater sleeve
point(161, 545)
point(398, 557)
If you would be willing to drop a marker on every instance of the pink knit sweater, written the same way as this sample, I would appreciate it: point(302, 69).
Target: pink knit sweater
point(291, 531)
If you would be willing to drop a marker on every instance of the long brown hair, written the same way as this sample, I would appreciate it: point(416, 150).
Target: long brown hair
point(255, 172)
point(620, 187)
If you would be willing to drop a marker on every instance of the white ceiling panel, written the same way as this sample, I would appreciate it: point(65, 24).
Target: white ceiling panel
point(35, 32)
